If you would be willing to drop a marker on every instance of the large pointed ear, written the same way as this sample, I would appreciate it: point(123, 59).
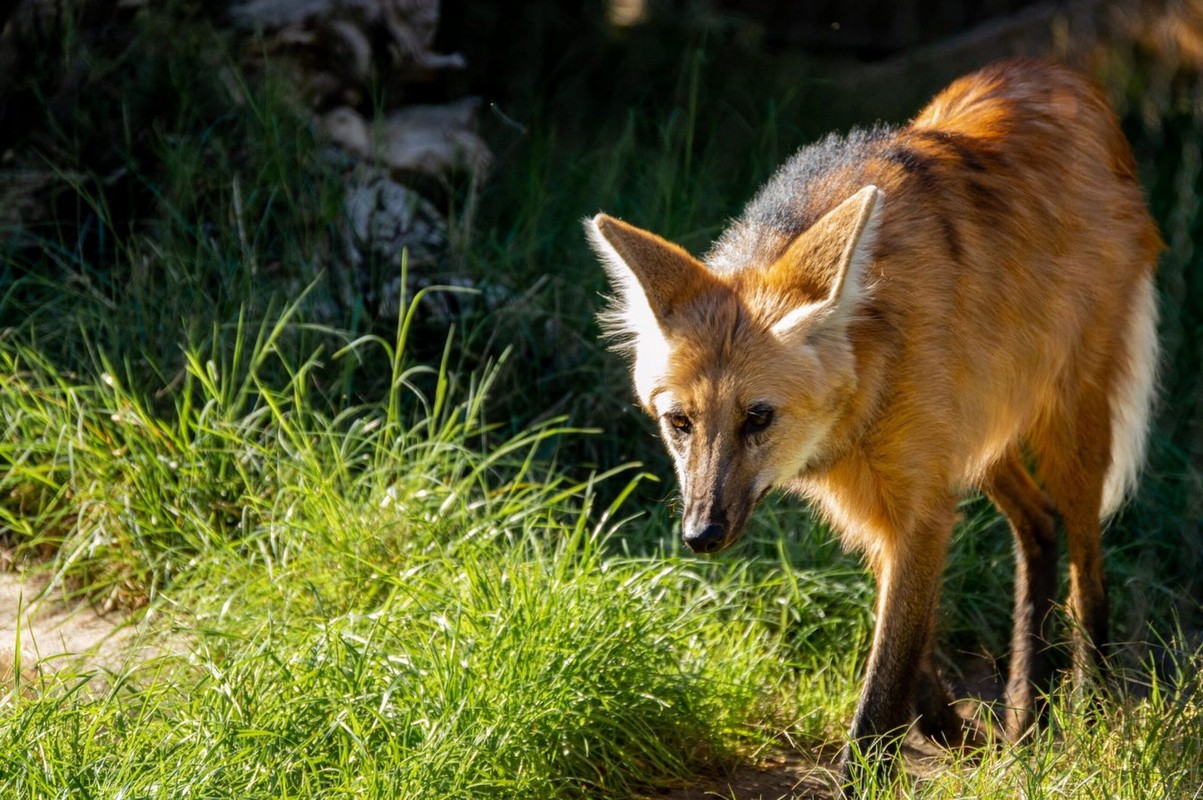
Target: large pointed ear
point(650, 275)
point(824, 267)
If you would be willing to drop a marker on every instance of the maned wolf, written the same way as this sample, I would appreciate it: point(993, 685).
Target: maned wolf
point(898, 317)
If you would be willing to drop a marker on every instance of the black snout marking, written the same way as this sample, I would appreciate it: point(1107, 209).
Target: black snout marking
point(709, 539)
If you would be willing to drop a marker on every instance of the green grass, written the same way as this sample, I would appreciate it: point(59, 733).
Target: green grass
point(382, 560)
point(372, 602)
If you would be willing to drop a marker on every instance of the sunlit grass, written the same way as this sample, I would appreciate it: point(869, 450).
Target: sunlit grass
point(1136, 748)
point(374, 600)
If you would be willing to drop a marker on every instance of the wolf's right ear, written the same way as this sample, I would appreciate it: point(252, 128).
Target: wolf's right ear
point(650, 274)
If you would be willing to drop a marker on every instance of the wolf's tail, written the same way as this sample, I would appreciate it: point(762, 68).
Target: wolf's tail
point(1133, 399)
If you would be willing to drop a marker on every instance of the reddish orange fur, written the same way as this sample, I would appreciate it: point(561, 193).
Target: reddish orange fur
point(997, 313)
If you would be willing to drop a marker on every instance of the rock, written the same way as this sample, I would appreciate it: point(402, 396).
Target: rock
point(347, 128)
point(349, 64)
point(426, 140)
point(27, 194)
point(383, 218)
point(407, 155)
point(343, 43)
point(434, 139)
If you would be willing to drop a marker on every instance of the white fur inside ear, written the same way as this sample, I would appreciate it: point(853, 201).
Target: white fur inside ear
point(628, 320)
point(851, 286)
point(791, 321)
point(628, 315)
point(650, 353)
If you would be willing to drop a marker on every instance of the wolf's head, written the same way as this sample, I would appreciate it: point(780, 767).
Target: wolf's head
point(747, 372)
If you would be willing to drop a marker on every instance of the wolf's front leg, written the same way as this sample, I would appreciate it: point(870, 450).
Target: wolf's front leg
point(908, 569)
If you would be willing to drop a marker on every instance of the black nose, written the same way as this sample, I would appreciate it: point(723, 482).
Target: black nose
point(707, 539)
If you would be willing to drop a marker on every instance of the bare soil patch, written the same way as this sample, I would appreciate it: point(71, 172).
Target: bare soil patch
point(799, 775)
point(40, 634)
point(785, 775)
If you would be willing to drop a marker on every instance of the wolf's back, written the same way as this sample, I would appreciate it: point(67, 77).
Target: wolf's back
point(1015, 255)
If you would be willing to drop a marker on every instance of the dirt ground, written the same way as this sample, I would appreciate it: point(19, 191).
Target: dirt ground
point(791, 775)
point(786, 775)
point(41, 634)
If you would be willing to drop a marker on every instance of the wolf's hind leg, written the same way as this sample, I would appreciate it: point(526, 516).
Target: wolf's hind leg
point(1031, 515)
point(1074, 453)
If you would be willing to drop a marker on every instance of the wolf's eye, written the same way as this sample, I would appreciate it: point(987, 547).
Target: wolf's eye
point(759, 417)
point(680, 423)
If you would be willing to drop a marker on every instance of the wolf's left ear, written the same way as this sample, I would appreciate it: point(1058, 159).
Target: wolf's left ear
point(649, 273)
point(830, 258)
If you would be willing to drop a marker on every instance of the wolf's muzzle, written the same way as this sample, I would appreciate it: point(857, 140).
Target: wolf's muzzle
point(705, 538)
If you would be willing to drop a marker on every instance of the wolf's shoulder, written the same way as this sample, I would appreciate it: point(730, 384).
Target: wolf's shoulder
point(834, 159)
point(815, 179)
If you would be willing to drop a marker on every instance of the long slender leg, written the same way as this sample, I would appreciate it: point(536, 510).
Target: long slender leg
point(908, 577)
point(937, 716)
point(1074, 454)
point(1031, 516)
